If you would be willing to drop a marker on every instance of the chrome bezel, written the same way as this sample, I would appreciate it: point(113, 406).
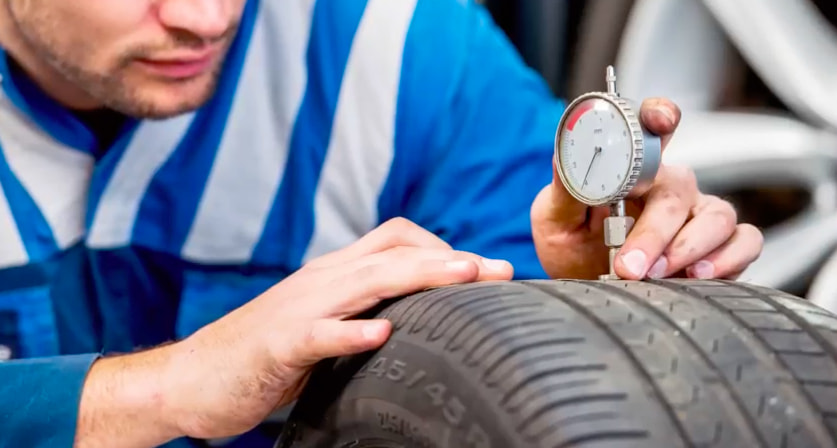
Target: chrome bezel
point(636, 177)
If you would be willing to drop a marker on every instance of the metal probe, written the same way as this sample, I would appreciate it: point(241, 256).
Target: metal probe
point(617, 225)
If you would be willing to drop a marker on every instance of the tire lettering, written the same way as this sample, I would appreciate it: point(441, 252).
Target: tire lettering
point(396, 370)
point(394, 424)
point(477, 438)
point(378, 369)
point(454, 411)
point(361, 372)
point(416, 378)
point(436, 391)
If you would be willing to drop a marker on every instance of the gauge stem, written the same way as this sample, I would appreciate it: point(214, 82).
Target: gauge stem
point(617, 226)
point(611, 80)
point(617, 208)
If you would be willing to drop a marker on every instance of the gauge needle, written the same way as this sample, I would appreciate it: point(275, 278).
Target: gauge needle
point(596, 152)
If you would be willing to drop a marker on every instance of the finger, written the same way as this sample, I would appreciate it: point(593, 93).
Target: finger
point(731, 258)
point(399, 271)
point(365, 287)
point(394, 232)
point(327, 338)
point(733, 276)
point(555, 205)
point(489, 269)
point(661, 117)
point(713, 224)
point(666, 209)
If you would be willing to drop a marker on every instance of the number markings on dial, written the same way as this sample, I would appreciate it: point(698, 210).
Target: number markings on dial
point(596, 150)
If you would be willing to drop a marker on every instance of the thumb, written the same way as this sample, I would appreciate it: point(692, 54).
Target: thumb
point(555, 205)
point(661, 117)
point(329, 338)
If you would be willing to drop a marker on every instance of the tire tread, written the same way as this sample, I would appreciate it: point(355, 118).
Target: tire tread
point(787, 389)
point(578, 364)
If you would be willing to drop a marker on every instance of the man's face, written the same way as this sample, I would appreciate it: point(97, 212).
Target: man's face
point(144, 58)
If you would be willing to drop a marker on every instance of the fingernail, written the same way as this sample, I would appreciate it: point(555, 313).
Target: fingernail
point(458, 265)
point(495, 265)
point(702, 270)
point(635, 261)
point(372, 331)
point(667, 113)
point(658, 269)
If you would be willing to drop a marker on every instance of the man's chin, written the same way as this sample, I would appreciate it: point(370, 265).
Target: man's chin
point(158, 111)
point(169, 100)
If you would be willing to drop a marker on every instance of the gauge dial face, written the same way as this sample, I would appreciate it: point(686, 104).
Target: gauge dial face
point(595, 151)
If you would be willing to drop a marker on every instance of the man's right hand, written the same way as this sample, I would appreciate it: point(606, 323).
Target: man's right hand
point(227, 377)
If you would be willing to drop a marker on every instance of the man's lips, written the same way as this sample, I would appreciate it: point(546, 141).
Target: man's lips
point(179, 66)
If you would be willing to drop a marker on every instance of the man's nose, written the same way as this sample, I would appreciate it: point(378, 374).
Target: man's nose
point(207, 19)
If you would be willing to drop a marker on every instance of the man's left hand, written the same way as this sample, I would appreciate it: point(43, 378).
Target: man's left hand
point(678, 231)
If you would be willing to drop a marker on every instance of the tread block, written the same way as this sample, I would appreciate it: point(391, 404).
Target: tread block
point(766, 320)
point(738, 303)
point(811, 368)
point(825, 396)
point(791, 342)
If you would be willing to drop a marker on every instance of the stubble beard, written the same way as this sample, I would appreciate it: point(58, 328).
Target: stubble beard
point(111, 87)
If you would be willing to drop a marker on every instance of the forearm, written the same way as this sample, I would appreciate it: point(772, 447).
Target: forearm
point(125, 401)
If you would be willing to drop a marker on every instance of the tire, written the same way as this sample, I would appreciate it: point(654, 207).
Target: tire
point(676, 363)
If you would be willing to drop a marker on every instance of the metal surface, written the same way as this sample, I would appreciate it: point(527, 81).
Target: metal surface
point(791, 46)
point(616, 229)
point(696, 56)
point(710, 46)
point(645, 147)
point(641, 166)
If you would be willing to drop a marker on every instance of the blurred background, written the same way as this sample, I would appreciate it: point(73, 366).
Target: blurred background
point(757, 83)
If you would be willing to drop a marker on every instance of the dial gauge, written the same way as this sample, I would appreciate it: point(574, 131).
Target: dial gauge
point(602, 152)
point(603, 155)
point(595, 150)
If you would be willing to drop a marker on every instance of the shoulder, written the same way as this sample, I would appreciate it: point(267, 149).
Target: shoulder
point(437, 33)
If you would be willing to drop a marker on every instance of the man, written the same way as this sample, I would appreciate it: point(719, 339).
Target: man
point(243, 177)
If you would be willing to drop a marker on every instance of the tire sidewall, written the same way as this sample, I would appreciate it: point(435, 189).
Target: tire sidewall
point(407, 394)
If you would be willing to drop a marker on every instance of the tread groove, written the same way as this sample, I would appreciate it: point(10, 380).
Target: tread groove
point(784, 310)
point(452, 314)
point(551, 388)
point(531, 418)
point(525, 347)
point(534, 360)
point(718, 376)
point(802, 353)
point(646, 376)
point(556, 371)
point(584, 418)
point(438, 297)
point(809, 329)
point(516, 312)
point(469, 357)
point(825, 383)
point(603, 435)
point(782, 330)
point(753, 331)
